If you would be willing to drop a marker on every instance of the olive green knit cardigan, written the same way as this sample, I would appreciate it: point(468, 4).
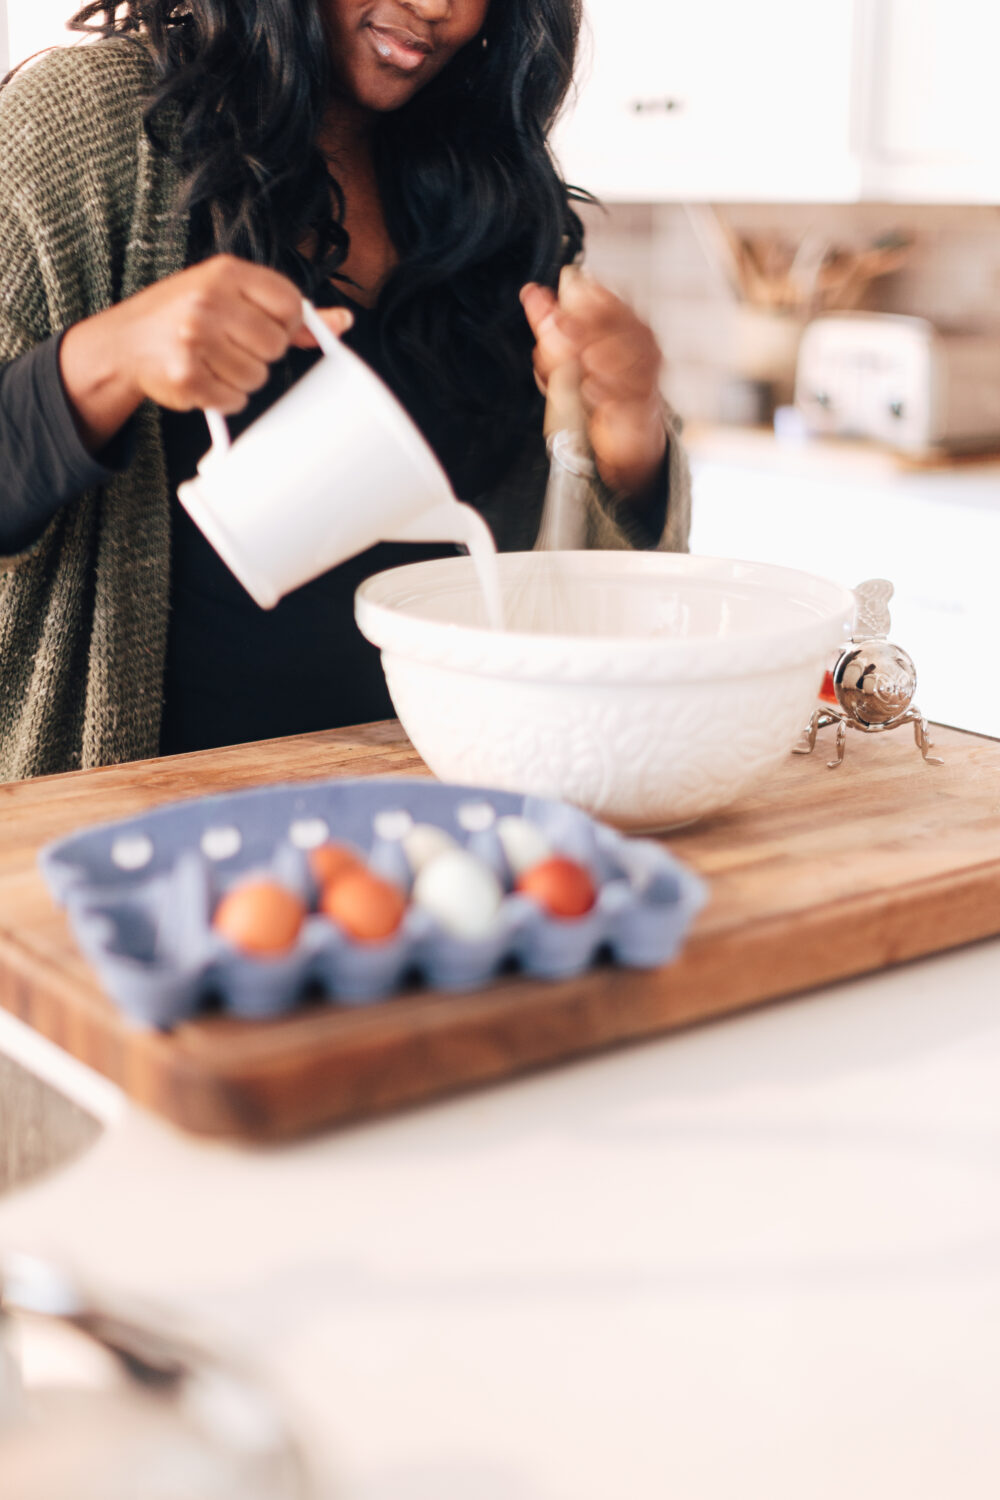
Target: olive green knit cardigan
point(86, 220)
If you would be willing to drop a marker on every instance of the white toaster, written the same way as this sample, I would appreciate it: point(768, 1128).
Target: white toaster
point(899, 381)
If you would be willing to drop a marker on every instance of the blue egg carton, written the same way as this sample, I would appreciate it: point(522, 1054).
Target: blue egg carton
point(140, 895)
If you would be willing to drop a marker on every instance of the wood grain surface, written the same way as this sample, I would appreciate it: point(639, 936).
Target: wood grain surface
point(821, 875)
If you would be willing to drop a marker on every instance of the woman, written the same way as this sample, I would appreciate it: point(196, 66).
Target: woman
point(167, 194)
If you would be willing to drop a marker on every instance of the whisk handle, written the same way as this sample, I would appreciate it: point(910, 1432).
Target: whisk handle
point(563, 403)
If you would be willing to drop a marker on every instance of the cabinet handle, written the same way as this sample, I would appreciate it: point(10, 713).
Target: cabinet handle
point(655, 106)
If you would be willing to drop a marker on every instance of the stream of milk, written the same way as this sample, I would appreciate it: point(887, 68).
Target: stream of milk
point(473, 531)
point(541, 602)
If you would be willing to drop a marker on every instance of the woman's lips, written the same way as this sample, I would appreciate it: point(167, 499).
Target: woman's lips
point(401, 49)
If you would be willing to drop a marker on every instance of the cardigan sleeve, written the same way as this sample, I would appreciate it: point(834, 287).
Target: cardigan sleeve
point(613, 524)
point(23, 330)
point(25, 315)
point(88, 217)
point(61, 229)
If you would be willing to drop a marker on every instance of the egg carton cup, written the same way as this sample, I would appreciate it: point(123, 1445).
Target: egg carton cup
point(140, 896)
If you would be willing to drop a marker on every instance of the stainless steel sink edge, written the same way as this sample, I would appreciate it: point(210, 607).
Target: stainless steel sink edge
point(52, 1109)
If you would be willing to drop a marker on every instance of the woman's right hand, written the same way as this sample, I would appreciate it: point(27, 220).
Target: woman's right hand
point(205, 337)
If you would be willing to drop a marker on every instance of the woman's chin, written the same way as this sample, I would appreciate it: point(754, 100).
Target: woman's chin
point(381, 89)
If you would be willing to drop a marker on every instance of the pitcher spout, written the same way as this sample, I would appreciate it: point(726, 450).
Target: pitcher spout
point(449, 522)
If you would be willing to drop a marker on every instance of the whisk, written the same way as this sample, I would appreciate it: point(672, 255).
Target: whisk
point(542, 599)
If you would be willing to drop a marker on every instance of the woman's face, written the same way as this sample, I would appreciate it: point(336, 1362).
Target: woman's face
point(385, 51)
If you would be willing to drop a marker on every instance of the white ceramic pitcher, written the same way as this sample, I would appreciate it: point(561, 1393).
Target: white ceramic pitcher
point(334, 466)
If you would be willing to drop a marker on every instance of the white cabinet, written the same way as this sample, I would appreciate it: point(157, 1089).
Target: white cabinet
point(930, 105)
point(787, 100)
point(715, 99)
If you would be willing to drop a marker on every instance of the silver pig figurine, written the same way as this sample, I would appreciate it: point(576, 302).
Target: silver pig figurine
point(873, 681)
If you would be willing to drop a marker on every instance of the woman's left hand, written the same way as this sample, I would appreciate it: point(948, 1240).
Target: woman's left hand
point(619, 362)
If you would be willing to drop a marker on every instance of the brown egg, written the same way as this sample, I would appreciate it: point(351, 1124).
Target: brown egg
point(260, 917)
point(330, 861)
point(367, 908)
point(561, 886)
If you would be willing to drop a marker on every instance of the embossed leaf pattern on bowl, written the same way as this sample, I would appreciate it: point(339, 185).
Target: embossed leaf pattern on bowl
point(644, 761)
point(717, 666)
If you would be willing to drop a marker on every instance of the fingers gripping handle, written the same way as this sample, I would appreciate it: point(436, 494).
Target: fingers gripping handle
point(329, 343)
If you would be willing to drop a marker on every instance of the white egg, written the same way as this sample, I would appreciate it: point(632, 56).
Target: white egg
point(523, 843)
point(424, 842)
point(461, 892)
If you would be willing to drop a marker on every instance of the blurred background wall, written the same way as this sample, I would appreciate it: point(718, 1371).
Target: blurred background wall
point(650, 254)
point(795, 129)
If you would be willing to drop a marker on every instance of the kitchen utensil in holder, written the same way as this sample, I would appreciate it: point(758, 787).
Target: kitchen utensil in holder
point(873, 682)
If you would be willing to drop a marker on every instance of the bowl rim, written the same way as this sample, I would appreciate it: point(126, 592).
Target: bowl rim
point(395, 629)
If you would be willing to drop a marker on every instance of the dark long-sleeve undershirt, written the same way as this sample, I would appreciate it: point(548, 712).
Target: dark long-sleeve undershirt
point(43, 463)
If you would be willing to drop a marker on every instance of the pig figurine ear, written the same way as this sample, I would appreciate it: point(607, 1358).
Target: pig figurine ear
point(871, 615)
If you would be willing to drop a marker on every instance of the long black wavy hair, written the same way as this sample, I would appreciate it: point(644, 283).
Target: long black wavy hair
point(473, 200)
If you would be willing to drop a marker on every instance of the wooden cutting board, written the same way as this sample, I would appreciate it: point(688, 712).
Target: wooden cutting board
point(821, 875)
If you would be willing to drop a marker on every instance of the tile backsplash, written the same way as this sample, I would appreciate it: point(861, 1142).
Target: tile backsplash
point(651, 255)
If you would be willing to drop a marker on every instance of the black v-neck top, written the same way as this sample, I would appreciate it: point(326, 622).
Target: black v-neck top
point(236, 672)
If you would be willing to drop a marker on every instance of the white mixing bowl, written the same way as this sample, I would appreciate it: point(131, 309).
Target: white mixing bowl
point(671, 685)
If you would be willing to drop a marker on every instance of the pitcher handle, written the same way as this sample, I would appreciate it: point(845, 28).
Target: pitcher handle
point(218, 427)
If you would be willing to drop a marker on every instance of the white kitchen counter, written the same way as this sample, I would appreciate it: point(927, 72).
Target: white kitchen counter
point(850, 513)
point(758, 1259)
